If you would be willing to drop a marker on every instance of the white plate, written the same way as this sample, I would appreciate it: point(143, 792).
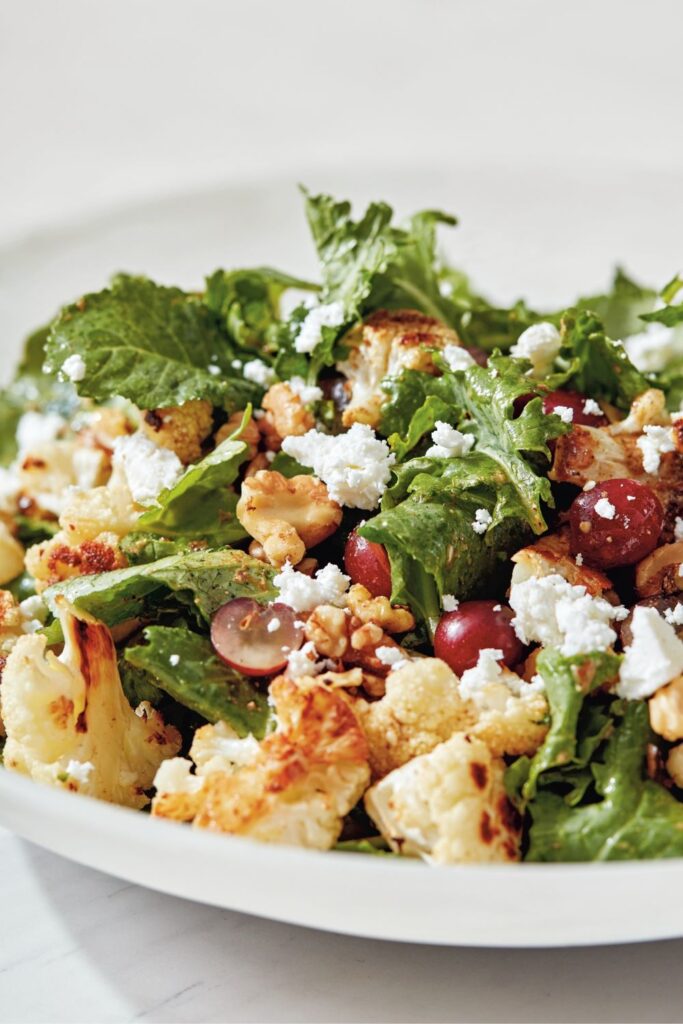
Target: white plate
point(547, 236)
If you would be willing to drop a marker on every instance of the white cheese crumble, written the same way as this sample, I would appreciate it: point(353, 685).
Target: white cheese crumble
point(654, 657)
point(355, 466)
point(540, 344)
point(174, 660)
point(303, 592)
point(310, 335)
point(605, 509)
point(36, 428)
point(482, 520)
point(449, 603)
point(591, 408)
point(650, 350)
point(148, 468)
point(490, 685)
point(74, 368)
point(258, 372)
point(565, 412)
point(653, 442)
point(678, 529)
point(552, 612)
point(674, 615)
point(273, 625)
point(457, 358)
point(214, 370)
point(589, 485)
point(448, 442)
point(304, 662)
point(487, 670)
point(306, 392)
point(392, 656)
point(80, 771)
point(579, 559)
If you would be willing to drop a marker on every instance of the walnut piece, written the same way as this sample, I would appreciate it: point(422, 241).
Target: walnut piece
point(327, 629)
point(287, 516)
point(286, 416)
point(379, 610)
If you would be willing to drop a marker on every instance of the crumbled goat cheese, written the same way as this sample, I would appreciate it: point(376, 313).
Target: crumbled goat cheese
point(448, 442)
point(80, 771)
point(482, 520)
point(273, 625)
point(36, 428)
point(303, 592)
point(579, 559)
point(174, 660)
point(674, 615)
point(605, 509)
point(591, 408)
point(654, 657)
point(449, 603)
point(458, 358)
point(589, 485)
point(653, 443)
point(258, 372)
point(678, 529)
point(310, 335)
point(306, 392)
point(304, 662)
point(392, 656)
point(74, 368)
point(565, 412)
point(355, 466)
point(550, 611)
point(148, 468)
point(539, 343)
point(651, 349)
point(487, 670)
point(214, 370)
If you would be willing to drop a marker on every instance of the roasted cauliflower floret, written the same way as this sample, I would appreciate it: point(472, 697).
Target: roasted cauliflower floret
point(550, 554)
point(49, 470)
point(421, 708)
point(448, 806)
point(11, 555)
point(295, 788)
point(286, 416)
point(68, 721)
point(666, 710)
point(388, 342)
point(366, 608)
point(510, 715)
point(11, 623)
point(287, 516)
point(181, 428)
point(54, 560)
point(658, 573)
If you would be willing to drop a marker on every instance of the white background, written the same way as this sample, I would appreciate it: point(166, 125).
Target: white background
point(107, 102)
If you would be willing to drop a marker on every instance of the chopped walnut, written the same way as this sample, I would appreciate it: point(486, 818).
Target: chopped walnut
point(666, 710)
point(286, 416)
point(327, 628)
point(287, 516)
point(259, 462)
point(182, 428)
point(250, 435)
point(379, 610)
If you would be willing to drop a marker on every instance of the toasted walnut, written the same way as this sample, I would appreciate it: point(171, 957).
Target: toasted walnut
point(367, 635)
point(307, 566)
point(658, 573)
point(259, 462)
point(182, 428)
point(287, 516)
point(54, 560)
point(666, 710)
point(674, 765)
point(327, 629)
point(256, 551)
point(250, 435)
point(286, 415)
point(379, 610)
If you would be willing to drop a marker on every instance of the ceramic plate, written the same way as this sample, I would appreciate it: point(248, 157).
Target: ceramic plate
point(545, 235)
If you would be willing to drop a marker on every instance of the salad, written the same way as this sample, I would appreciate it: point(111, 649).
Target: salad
point(367, 564)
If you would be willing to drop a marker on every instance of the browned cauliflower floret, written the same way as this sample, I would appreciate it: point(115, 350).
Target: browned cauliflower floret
point(54, 560)
point(49, 470)
point(11, 555)
point(448, 806)
point(286, 416)
point(510, 715)
point(550, 554)
point(658, 573)
point(422, 707)
point(295, 787)
point(182, 428)
point(68, 721)
point(388, 342)
point(666, 710)
point(287, 516)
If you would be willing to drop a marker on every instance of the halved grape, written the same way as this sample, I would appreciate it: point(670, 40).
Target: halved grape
point(367, 563)
point(255, 639)
point(575, 401)
point(475, 625)
point(616, 523)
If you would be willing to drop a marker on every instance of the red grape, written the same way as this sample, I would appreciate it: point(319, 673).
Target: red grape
point(575, 401)
point(462, 634)
point(367, 563)
point(616, 523)
point(480, 357)
point(255, 639)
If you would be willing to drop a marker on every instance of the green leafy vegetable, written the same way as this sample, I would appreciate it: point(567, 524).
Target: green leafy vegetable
point(248, 303)
point(137, 685)
point(204, 580)
point(184, 665)
point(150, 344)
point(376, 846)
point(670, 315)
point(621, 308)
point(594, 364)
point(141, 548)
point(202, 504)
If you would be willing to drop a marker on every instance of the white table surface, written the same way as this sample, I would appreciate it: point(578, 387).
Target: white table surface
point(104, 102)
